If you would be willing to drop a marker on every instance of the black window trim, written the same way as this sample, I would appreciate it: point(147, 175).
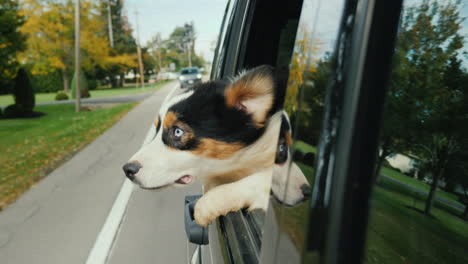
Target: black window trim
point(340, 202)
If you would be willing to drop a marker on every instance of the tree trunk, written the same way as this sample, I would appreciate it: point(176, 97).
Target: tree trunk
point(432, 192)
point(122, 80)
point(384, 153)
point(113, 81)
point(66, 81)
point(465, 214)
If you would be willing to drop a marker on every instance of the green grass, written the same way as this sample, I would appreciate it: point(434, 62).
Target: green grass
point(304, 147)
point(416, 184)
point(396, 175)
point(6, 100)
point(33, 147)
point(400, 233)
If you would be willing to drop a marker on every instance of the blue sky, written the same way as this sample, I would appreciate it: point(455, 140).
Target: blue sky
point(164, 15)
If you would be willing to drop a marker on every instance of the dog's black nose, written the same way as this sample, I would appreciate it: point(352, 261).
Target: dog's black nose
point(306, 191)
point(131, 169)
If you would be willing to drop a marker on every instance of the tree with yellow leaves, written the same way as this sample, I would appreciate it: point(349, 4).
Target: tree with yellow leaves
point(49, 28)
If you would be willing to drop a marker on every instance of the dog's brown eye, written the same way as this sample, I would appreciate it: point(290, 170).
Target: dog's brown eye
point(178, 132)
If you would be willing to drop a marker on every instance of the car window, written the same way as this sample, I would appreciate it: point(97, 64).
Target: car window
point(190, 71)
point(419, 203)
point(304, 101)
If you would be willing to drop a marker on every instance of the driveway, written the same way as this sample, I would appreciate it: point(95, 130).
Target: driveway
point(60, 219)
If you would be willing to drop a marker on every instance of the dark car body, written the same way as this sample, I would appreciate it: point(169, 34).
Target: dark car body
point(189, 77)
point(333, 62)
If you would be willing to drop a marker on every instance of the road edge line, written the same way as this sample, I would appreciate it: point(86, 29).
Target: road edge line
point(103, 244)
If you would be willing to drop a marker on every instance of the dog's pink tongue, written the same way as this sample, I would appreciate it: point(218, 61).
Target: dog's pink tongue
point(186, 179)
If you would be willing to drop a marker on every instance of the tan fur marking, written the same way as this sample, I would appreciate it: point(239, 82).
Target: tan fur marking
point(248, 88)
point(156, 122)
point(216, 149)
point(169, 119)
point(288, 138)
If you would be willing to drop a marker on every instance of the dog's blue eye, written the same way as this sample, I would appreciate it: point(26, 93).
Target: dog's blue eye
point(178, 132)
point(281, 147)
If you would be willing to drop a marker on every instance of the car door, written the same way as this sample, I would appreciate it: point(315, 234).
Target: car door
point(338, 79)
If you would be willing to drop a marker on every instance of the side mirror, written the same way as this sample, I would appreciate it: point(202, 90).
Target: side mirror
point(195, 233)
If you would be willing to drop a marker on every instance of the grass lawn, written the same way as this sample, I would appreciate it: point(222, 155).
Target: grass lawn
point(6, 100)
point(415, 183)
point(399, 233)
point(396, 175)
point(304, 147)
point(398, 230)
point(31, 148)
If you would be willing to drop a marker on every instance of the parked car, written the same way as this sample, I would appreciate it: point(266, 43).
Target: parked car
point(189, 77)
point(333, 62)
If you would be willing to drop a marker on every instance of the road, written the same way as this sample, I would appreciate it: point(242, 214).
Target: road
point(59, 219)
point(105, 100)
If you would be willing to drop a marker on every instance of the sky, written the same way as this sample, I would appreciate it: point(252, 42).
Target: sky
point(164, 15)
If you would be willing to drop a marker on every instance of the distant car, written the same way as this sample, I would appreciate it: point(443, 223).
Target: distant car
point(189, 77)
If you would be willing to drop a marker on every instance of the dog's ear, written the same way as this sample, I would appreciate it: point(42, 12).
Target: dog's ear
point(252, 92)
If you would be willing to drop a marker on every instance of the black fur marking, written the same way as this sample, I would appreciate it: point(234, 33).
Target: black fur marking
point(159, 125)
point(207, 114)
point(283, 148)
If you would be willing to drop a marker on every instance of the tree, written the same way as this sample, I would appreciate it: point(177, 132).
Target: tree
point(11, 42)
point(124, 48)
point(24, 97)
point(23, 92)
point(425, 104)
point(50, 31)
point(178, 48)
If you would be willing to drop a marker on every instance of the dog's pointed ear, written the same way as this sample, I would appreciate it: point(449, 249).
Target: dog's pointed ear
point(252, 92)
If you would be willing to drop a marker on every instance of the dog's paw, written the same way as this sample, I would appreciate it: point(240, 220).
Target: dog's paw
point(204, 213)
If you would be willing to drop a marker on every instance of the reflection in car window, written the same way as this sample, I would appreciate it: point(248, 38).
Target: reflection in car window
point(419, 211)
point(308, 77)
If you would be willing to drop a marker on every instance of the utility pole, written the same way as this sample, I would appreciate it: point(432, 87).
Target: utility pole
point(140, 60)
point(109, 20)
point(77, 56)
point(189, 53)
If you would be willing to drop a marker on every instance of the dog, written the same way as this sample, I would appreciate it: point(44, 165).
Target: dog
point(228, 134)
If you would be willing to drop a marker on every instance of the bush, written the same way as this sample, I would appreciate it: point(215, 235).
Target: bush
point(92, 84)
point(298, 155)
point(309, 158)
point(47, 83)
point(83, 84)
point(61, 96)
point(23, 92)
point(0, 112)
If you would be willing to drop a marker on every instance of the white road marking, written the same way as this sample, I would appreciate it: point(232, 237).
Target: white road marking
point(105, 239)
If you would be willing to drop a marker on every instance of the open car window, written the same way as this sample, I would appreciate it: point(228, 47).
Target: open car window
point(309, 75)
point(419, 202)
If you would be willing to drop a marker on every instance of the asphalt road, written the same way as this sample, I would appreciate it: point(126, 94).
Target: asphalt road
point(59, 219)
point(105, 100)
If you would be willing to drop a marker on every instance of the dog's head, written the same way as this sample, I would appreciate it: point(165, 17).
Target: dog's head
point(289, 186)
point(215, 129)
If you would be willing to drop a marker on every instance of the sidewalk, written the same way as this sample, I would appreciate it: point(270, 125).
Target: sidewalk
point(58, 219)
